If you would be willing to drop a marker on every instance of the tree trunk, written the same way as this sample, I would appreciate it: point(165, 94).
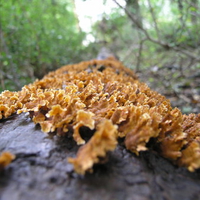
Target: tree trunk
point(134, 8)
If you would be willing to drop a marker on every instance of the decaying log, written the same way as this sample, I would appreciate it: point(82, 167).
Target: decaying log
point(41, 170)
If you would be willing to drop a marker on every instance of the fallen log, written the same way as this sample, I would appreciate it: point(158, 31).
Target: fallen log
point(82, 102)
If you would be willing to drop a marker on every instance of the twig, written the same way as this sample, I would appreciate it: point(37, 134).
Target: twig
point(164, 45)
point(139, 56)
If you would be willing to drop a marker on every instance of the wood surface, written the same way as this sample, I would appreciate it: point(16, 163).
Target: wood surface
point(41, 171)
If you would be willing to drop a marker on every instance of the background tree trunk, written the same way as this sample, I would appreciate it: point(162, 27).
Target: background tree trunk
point(134, 8)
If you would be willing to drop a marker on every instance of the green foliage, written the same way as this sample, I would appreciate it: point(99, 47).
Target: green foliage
point(37, 36)
point(168, 28)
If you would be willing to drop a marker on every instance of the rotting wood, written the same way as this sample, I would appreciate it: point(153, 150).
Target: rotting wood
point(84, 94)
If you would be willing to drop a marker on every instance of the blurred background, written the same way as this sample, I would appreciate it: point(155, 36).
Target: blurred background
point(158, 39)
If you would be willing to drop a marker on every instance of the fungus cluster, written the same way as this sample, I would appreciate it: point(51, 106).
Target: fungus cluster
point(106, 99)
point(5, 159)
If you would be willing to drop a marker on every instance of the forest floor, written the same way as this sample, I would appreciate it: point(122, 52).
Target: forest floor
point(182, 88)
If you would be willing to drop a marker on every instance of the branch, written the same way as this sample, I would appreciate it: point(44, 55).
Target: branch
point(6, 75)
point(139, 55)
point(148, 37)
point(193, 5)
point(134, 20)
point(154, 19)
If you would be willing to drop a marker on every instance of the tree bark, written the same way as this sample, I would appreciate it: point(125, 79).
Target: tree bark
point(134, 8)
point(41, 171)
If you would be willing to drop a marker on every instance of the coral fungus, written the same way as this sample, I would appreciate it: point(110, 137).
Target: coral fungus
point(108, 99)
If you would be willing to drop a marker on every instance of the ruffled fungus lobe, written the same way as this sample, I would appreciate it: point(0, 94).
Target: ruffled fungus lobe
point(191, 150)
point(172, 137)
point(109, 100)
point(143, 123)
point(103, 140)
point(5, 159)
point(83, 118)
